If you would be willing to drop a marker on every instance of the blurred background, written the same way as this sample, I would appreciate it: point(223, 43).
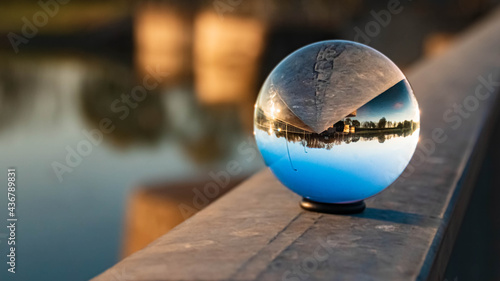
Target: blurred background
point(124, 118)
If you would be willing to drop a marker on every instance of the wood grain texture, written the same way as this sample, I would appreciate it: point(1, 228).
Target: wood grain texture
point(258, 231)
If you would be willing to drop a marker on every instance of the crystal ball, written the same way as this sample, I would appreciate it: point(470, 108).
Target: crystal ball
point(336, 122)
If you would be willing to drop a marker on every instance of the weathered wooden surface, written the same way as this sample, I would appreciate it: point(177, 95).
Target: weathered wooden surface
point(258, 231)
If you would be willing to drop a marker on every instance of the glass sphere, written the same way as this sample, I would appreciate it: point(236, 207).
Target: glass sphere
point(336, 122)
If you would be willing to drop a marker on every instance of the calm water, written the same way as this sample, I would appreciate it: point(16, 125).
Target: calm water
point(72, 229)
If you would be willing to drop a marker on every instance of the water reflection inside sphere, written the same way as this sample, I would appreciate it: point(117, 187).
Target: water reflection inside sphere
point(336, 122)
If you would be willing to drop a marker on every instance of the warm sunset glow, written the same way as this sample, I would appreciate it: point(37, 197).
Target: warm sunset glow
point(226, 54)
point(162, 39)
